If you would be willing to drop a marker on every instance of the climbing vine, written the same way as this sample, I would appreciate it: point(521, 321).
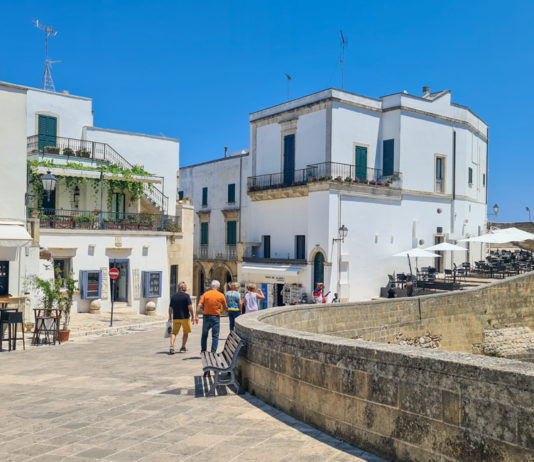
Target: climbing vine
point(125, 184)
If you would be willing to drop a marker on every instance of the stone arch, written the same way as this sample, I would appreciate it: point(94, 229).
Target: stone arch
point(199, 279)
point(222, 273)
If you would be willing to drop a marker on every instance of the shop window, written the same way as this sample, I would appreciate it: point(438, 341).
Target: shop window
point(152, 284)
point(90, 284)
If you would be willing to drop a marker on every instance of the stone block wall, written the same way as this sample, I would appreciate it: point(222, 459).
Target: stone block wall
point(404, 403)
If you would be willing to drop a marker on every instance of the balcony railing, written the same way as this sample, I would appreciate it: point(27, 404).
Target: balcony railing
point(229, 253)
point(125, 221)
point(74, 149)
point(326, 171)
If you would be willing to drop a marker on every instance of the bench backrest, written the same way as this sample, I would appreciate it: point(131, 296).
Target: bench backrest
point(233, 344)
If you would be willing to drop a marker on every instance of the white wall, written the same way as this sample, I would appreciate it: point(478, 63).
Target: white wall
point(131, 247)
point(310, 140)
point(159, 156)
point(268, 150)
point(72, 112)
point(12, 152)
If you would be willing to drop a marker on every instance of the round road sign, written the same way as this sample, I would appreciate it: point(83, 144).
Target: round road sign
point(113, 273)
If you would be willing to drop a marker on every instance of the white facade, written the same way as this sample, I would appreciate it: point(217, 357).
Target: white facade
point(412, 205)
point(106, 235)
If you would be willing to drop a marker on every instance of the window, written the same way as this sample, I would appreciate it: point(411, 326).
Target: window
point(231, 193)
point(118, 206)
point(484, 179)
point(180, 195)
point(151, 284)
point(388, 157)
point(47, 131)
point(174, 279)
point(91, 284)
point(204, 233)
point(204, 197)
point(231, 227)
point(289, 159)
point(266, 246)
point(470, 176)
point(62, 267)
point(439, 182)
point(300, 247)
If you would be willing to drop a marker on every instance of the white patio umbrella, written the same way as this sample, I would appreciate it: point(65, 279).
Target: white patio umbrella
point(446, 247)
point(417, 252)
point(502, 236)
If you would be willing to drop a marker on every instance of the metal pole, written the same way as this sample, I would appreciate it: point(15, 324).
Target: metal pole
point(112, 300)
point(101, 199)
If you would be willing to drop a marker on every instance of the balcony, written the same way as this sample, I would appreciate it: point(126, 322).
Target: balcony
point(326, 172)
point(95, 220)
point(74, 153)
point(229, 253)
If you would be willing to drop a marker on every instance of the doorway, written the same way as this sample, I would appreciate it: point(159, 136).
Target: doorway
point(279, 294)
point(4, 278)
point(289, 159)
point(120, 289)
point(360, 162)
point(47, 131)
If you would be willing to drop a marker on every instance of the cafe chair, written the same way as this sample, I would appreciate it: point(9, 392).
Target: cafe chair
point(11, 320)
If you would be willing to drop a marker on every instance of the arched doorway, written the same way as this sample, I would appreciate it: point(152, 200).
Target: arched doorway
point(318, 269)
point(222, 274)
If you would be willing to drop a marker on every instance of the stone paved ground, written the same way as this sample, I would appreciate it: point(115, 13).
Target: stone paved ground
point(123, 398)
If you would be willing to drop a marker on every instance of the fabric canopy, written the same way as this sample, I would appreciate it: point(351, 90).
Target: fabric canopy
point(14, 235)
point(417, 252)
point(250, 271)
point(446, 247)
point(502, 236)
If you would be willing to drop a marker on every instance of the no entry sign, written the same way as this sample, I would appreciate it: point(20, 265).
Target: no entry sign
point(113, 273)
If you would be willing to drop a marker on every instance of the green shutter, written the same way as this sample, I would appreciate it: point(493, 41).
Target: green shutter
point(231, 235)
point(231, 193)
point(204, 197)
point(360, 158)
point(318, 269)
point(204, 234)
point(388, 157)
point(180, 195)
point(47, 131)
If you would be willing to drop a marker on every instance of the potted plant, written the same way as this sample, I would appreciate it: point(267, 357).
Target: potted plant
point(348, 180)
point(373, 182)
point(68, 152)
point(339, 179)
point(51, 149)
point(145, 221)
point(83, 222)
point(83, 153)
point(356, 180)
point(65, 303)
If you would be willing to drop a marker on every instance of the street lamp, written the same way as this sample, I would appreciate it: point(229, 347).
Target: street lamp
point(495, 211)
point(342, 233)
point(49, 183)
point(76, 196)
point(528, 210)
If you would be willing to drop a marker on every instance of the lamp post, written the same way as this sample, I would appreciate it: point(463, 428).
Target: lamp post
point(49, 183)
point(495, 211)
point(529, 217)
point(341, 235)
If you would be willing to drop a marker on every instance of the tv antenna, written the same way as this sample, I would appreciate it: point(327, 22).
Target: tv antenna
point(342, 60)
point(288, 77)
point(46, 82)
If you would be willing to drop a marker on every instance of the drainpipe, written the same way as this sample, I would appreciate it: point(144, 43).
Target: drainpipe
point(453, 180)
point(339, 248)
point(240, 186)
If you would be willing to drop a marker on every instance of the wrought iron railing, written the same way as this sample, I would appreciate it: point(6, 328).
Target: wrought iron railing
point(75, 149)
point(327, 171)
point(97, 220)
point(205, 253)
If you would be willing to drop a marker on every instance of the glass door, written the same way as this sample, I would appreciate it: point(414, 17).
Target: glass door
point(121, 283)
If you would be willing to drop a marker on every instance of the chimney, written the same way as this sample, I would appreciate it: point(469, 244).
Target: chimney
point(426, 91)
point(225, 152)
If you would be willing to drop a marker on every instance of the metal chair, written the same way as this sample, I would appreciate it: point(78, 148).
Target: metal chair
point(11, 319)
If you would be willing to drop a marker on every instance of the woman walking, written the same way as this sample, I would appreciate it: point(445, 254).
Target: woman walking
point(233, 300)
point(252, 297)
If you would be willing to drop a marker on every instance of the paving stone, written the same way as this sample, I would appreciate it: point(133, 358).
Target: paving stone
point(122, 397)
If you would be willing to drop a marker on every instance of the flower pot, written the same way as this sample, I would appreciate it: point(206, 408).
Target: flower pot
point(64, 335)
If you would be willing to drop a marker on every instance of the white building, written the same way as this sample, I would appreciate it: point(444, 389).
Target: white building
point(114, 204)
point(399, 172)
point(218, 191)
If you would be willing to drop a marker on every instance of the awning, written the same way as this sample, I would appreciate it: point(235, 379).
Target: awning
point(270, 273)
point(14, 235)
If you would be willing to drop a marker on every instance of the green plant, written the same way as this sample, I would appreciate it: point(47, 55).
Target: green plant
point(66, 297)
point(50, 291)
point(68, 152)
point(84, 219)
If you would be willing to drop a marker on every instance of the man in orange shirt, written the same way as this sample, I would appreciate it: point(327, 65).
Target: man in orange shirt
point(212, 301)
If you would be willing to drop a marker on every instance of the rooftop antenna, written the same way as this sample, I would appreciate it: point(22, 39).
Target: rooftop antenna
point(288, 77)
point(342, 60)
point(47, 83)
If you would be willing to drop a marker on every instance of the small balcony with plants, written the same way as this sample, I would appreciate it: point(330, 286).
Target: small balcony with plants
point(333, 173)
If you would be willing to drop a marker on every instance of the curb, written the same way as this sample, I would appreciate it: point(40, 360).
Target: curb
point(115, 330)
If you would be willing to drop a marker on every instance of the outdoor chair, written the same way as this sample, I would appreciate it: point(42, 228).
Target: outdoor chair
point(11, 320)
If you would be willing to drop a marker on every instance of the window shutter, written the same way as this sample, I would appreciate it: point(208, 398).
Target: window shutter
point(231, 233)
point(204, 233)
point(180, 195)
point(231, 193)
point(388, 159)
point(204, 197)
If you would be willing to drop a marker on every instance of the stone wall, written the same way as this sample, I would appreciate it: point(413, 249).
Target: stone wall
point(402, 402)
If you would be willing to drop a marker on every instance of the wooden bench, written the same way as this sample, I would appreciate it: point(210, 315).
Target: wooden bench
point(223, 364)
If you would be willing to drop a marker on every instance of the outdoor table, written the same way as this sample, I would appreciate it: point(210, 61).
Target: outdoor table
point(47, 324)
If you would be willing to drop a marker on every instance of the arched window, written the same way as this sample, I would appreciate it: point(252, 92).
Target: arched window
point(318, 269)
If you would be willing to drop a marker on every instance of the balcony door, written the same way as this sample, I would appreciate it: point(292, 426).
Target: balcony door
point(360, 162)
point(47, 131)
point(118, 206)
point(289, 159)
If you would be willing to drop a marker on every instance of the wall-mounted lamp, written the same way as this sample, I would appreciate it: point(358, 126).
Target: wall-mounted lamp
point(76, 196)
point(49, 183)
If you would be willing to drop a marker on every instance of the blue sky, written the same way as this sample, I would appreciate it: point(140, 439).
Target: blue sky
point(195, 70)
